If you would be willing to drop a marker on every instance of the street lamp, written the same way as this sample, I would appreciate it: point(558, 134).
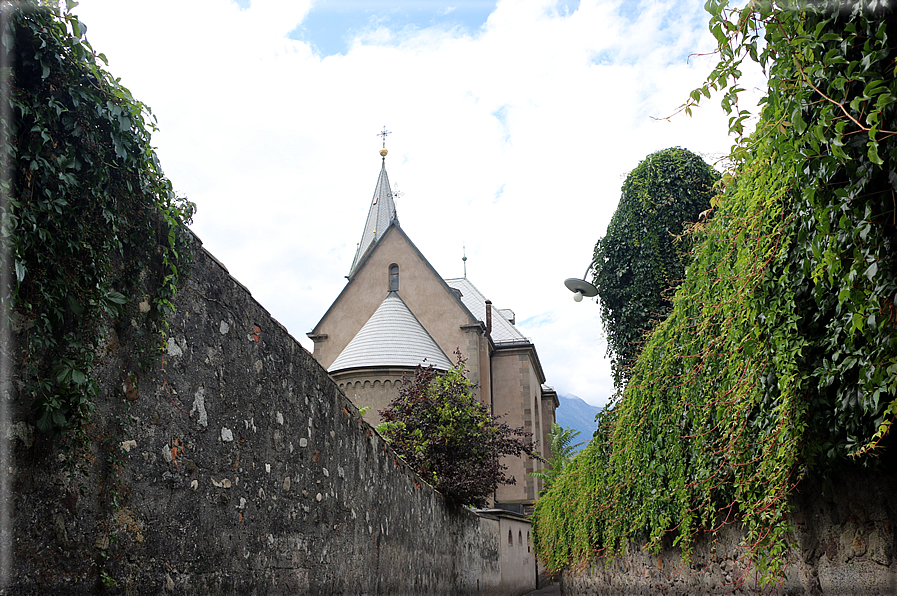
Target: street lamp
point(580, 287)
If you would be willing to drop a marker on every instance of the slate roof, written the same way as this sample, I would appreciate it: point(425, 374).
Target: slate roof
point(473, 299)
point(392, 337)
point(381, 215)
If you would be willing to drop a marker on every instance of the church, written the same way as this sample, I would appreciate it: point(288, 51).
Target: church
point(396, 313)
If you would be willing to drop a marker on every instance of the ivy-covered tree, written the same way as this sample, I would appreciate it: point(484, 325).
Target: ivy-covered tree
point(450, 438)
point(640, 261)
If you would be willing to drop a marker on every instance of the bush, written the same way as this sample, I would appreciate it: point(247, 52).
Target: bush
point(449, 437)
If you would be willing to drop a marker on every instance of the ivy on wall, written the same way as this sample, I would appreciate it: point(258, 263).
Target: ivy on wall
point(779, 358)
point(89, 220)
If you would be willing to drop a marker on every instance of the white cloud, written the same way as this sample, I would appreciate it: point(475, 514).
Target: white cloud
point(513, 140)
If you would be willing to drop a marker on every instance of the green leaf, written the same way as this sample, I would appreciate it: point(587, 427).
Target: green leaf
point(63, 373)
point(873, 153)
point(116, 297)
point(884, 100)
point(871, 271)
point(797, 121)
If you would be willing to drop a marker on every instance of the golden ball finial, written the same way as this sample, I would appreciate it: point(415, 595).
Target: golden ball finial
point(383, 152)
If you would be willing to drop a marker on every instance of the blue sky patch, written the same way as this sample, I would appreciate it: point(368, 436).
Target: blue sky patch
point(536, 321)
point(498, 195)
point(567, 7)
point(670, 30)
point(331, 25)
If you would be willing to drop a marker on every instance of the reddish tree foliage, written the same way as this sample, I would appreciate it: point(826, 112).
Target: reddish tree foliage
point(449, 437)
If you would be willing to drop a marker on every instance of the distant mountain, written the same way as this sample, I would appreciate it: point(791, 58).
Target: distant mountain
point(576, 413)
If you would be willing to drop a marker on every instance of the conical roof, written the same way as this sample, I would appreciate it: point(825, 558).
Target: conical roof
point(392, 337)
point(381, 215)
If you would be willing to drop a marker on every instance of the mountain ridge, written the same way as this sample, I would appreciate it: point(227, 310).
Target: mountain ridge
point(575, 413)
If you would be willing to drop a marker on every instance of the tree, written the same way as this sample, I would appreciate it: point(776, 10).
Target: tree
point(639, 262)
point(562, 450)
point(449, 437)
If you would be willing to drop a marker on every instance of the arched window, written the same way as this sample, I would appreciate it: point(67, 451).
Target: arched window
point(393, 278)
point(519, 538)
point(510, 537)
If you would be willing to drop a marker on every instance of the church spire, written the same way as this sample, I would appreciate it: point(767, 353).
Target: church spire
point(382, 213)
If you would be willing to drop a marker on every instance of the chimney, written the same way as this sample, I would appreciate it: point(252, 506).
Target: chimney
point(488, 318)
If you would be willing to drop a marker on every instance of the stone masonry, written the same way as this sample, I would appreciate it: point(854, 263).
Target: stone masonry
point(843, 544)
point(245, 471)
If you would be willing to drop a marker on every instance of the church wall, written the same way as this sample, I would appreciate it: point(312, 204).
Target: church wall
point(427, 296)
point(244, 470)
point(420, 288)
point(548, 416)
point(373, 388)
point(482, 359)
point(518, 561)
point(534, 485)
point(511, 397)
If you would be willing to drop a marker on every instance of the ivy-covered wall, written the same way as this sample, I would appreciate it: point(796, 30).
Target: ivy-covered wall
point(776, 368)
point(843, 544)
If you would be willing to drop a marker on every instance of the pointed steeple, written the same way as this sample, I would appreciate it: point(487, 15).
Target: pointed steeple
point(380, 217)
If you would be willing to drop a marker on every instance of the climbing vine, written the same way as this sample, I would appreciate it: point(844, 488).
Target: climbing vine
point(779, 357)
point(89, 219)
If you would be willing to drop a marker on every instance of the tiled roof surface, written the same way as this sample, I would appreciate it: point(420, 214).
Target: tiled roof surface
point(392, 337)
point(502, 329)
point(381, 214)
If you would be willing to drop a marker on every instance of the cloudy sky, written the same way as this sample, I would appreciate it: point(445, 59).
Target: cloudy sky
point(514, 123)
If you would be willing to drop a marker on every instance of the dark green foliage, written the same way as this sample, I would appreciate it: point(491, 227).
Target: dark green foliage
point(779, 358)
point(640, 261)
point(89, 220)
point(449, 437)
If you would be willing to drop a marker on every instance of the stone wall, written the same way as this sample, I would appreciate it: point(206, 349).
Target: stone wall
point(843, 544)
point(245, 471)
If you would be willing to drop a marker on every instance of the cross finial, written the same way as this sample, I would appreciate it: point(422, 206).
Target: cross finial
point(383, 134)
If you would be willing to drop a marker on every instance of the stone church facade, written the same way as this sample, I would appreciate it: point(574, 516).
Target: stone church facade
point(396, 312)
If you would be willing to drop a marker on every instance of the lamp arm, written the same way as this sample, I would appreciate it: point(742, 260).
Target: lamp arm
point(589, 268)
